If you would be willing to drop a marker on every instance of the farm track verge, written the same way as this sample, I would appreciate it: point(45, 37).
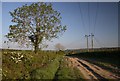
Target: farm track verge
point(92, 71)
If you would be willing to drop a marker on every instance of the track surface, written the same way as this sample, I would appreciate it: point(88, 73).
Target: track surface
point(91, 71)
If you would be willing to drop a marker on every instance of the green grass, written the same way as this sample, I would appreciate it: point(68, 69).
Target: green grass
point(67, 72)
point(43, 65)
point(48, 72)
point(49, 64)
point(43, 61)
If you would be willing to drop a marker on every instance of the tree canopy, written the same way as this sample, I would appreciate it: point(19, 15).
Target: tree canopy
point(34, 24)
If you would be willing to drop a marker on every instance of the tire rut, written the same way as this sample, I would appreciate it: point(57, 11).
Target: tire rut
point(103, 73)
point(100, 78)
point(56, 73)
point(91, 71)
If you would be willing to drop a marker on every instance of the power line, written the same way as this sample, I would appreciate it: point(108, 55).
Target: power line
point(89, 25)
point(89, 16)
point(69, 44)
point(81, 16)
point(99, 43)
point(97, 8)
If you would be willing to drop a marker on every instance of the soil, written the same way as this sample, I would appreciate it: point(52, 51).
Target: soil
point(91, 71)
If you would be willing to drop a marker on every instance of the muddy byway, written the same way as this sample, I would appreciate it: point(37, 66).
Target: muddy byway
point(91, 71)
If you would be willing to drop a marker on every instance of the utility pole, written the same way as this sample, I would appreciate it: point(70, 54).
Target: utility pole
point(92, 40)
point(87, 41)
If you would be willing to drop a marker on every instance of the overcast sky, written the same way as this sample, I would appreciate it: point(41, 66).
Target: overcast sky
point(80, 20)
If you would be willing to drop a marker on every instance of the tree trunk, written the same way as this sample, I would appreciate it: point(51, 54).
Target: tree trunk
point(36, 45)
point(36, 48)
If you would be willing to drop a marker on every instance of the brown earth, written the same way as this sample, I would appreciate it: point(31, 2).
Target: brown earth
point(91, 71)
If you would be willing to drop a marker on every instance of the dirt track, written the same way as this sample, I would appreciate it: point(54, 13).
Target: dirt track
point(91, 71)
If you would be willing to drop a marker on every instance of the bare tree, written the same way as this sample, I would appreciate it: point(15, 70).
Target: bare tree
point(59, 47)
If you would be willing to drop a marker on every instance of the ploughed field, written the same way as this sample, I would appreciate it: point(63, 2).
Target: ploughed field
point(57, 65)
point(99, 64)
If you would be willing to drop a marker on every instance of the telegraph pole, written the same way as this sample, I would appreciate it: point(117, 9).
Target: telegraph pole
point(92, 40)
point(87, 41)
